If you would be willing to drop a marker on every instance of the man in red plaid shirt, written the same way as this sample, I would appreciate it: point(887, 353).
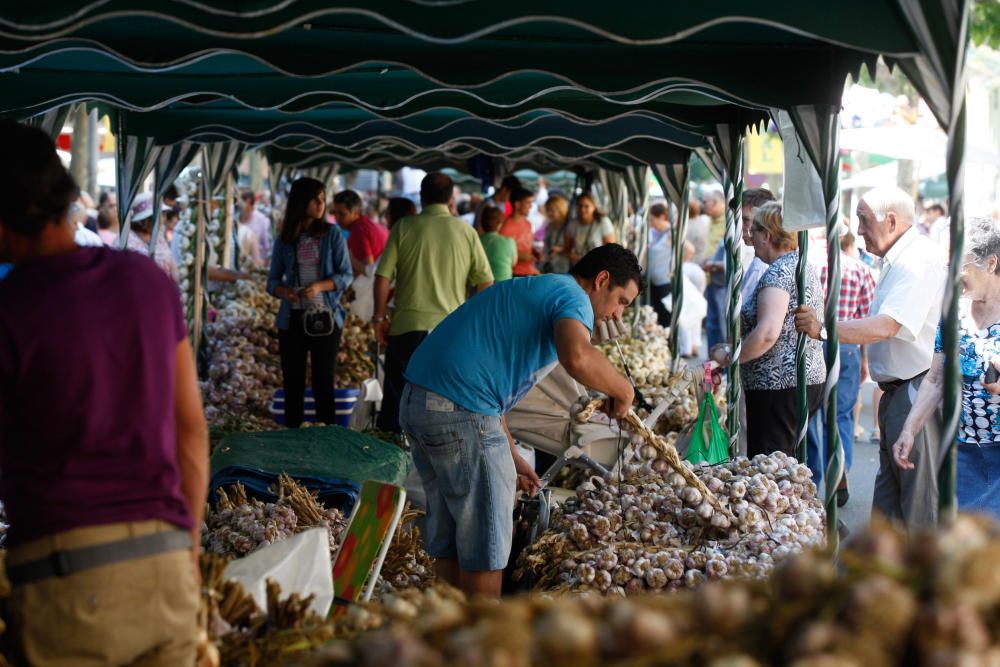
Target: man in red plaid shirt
point(857, 290)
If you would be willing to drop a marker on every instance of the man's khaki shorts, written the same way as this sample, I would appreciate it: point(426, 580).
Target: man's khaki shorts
point(137, 612)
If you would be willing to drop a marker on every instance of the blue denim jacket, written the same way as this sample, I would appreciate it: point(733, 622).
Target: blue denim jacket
point(335, 264)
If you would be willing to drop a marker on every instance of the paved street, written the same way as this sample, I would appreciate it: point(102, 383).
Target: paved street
point(857, 512)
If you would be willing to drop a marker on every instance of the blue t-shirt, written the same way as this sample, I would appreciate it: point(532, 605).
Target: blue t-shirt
point(492, 350)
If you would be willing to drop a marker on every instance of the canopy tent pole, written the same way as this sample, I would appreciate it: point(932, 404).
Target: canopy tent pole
point(51, 123)
point(169, 162)
point(800, 353)
point(674, 180)
point(157, 211)
point(134, 160)
point(635, 192)
point(725, 161)
point(817, 127)
point(947, 483)
point(228, 252)
point(123, 207)
point(200, 262)
point(734, 243)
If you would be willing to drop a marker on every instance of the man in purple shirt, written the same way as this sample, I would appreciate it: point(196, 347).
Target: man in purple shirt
point(103, 444)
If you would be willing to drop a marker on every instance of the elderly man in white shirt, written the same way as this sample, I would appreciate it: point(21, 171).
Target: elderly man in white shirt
point(899, 333)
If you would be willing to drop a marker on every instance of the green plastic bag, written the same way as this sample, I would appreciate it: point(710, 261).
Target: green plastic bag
point(708, 440)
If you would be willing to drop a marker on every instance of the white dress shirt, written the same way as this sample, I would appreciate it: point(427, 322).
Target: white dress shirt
point(751, 277)
point(909, 291)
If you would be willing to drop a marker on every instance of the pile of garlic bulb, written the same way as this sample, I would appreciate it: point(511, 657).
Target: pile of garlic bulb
point(238, 526)
point(894, 600)
point(355, 362)
point(244, 369)
point(185, 238)
point(648, 356)
point(647, 325)
point(643, 527)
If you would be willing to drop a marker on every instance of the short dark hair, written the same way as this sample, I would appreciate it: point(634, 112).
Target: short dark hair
point(617, 260)
point(399, 208)
point(248, 196)
point(349, 198)
point(170, 192)
point(491, 218)
point(35, 188)
point(658, 210)
point(510, 183)
point(102, 199)
point(436, 188)
point(519, 194)
point(938, 207)
point(757, 197)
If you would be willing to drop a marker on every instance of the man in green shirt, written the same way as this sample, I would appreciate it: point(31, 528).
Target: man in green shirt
point(501, 251)
point(434, 257)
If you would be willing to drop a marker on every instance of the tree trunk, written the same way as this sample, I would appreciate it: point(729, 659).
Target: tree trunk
point(907, 179)
point(80, 149)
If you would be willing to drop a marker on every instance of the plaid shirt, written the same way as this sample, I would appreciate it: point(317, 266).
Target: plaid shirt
point(857, 288)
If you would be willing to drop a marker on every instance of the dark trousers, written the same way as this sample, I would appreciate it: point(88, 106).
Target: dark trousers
point(397, 357)
point(773, 418)
point(657, 293)
point(293, 345)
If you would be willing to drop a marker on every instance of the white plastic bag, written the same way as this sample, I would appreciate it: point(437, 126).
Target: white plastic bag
point(803, 204)
point(300, 564)
point(363, 305)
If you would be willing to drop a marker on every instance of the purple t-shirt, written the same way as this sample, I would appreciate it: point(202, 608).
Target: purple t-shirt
point(87, 359)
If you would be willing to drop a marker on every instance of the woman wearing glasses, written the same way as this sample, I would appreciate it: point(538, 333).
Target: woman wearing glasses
point(979, 355)
point(769, 344)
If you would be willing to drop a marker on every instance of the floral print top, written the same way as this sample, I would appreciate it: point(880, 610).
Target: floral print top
point(979, 422)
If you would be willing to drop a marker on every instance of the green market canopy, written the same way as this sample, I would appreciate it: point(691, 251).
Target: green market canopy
point(434, 82)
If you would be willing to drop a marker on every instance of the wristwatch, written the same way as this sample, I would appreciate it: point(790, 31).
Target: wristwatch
point(378, 320)
point(822, 334)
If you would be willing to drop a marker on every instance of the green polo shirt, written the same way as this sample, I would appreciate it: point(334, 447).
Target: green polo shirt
point(501, 251)
point(433, 257)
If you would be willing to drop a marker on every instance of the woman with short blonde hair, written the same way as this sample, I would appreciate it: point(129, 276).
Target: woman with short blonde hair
point(768, 354)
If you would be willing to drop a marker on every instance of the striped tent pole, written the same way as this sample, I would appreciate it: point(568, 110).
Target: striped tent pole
point(734, 243)
point(818, 127)
point(800, 353)
point(674, 179)
point(169, 162)
point(51, 122)
point(134, 159)
point(725, 161)
point(947, 484)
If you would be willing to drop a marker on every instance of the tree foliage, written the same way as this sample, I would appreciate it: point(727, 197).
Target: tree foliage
point(985, 23)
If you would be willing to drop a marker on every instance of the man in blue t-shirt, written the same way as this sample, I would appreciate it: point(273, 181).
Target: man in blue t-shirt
point(472, 369)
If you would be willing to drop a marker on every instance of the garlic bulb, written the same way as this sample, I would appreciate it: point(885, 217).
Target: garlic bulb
point(671, 529)
point(244, 369)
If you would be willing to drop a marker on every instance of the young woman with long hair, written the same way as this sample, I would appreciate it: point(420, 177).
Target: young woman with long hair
point(310, 267)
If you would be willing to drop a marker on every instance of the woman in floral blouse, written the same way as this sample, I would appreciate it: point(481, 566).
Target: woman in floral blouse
point(979, 349)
